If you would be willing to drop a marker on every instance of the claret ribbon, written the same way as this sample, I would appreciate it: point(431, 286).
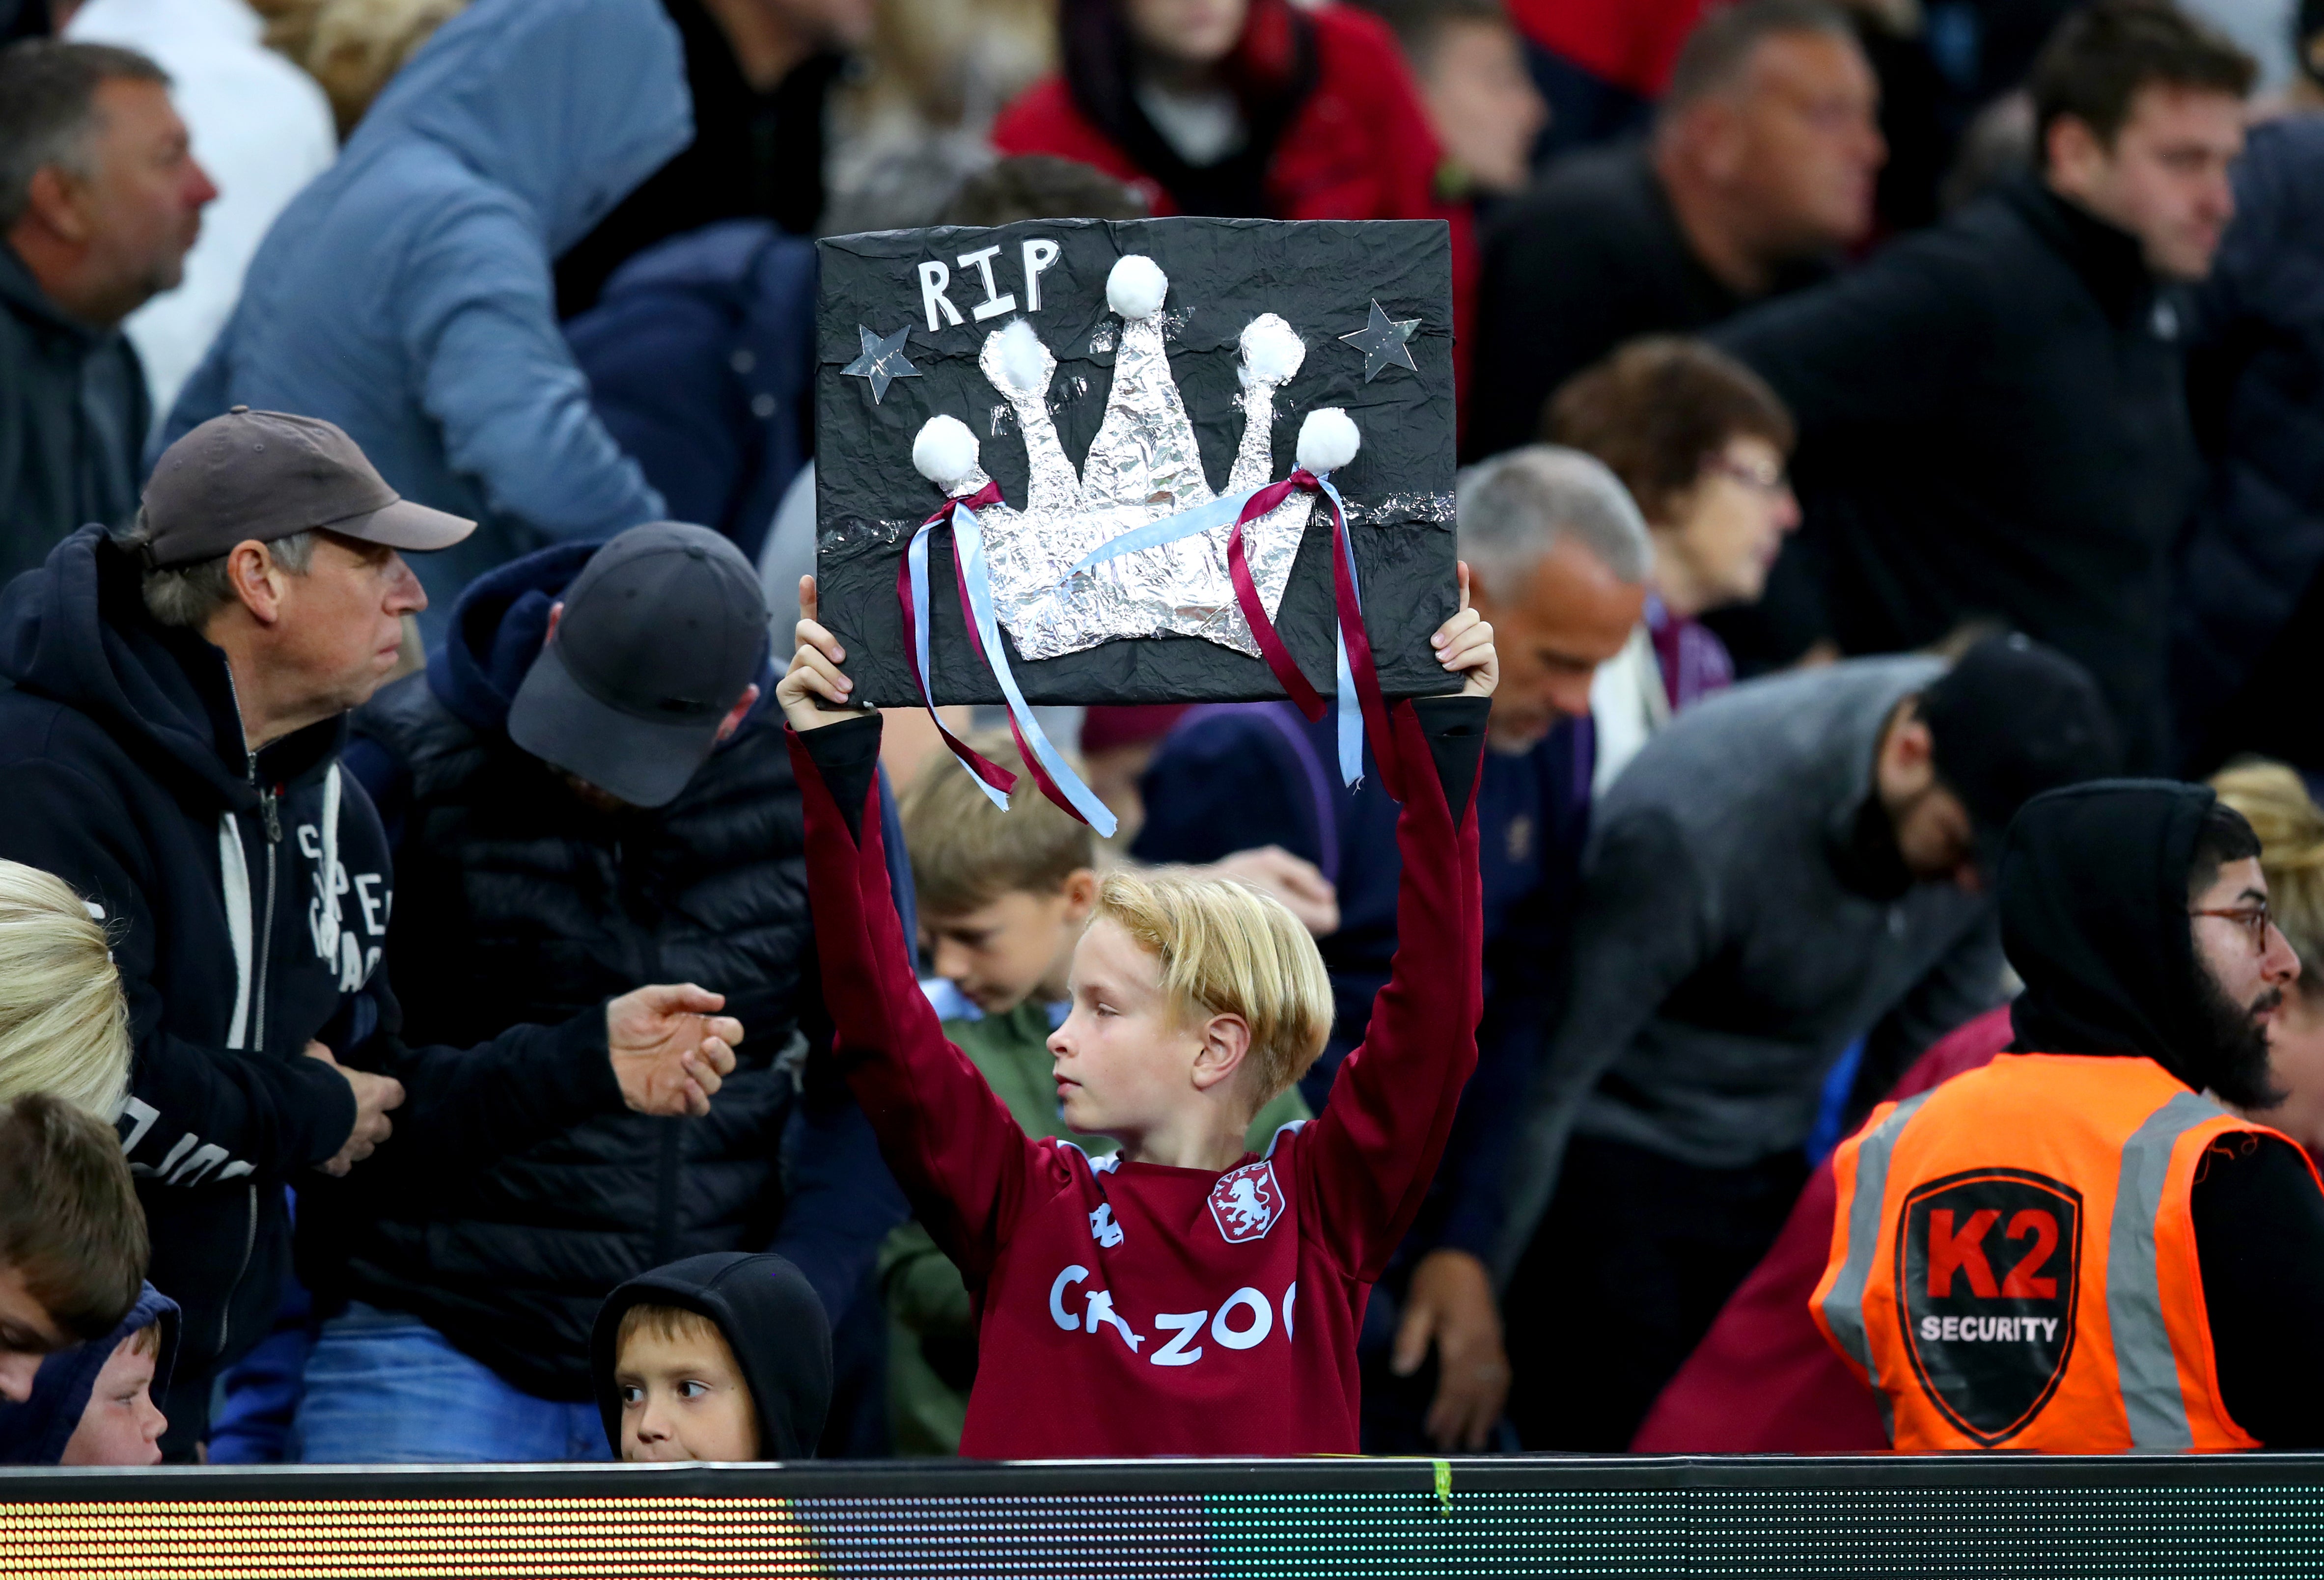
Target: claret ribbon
point(1357, 677)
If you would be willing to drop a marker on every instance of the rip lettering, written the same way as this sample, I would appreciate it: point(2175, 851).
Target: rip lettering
point(935, 275)
point(1039, 254)
point(995, 303)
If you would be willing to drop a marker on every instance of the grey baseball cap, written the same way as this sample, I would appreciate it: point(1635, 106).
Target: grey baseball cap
point(662, 630)
point(266, 474)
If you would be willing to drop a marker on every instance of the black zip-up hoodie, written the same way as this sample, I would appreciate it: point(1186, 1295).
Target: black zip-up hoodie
point(247, 896)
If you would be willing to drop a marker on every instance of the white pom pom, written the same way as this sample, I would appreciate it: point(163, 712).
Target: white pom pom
point(1271, 351)
point(1025, 361)
point(945, 451)
point(1134, 287)
point(1328, 440)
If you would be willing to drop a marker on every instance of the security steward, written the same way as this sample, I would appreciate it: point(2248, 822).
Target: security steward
point(2075, 1249)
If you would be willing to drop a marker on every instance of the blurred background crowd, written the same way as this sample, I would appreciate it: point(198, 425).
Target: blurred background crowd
point(1874, 412)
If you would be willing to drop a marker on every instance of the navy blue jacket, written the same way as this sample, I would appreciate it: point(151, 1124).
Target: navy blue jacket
point(1237, 777)
point(248, 897)
point(515, 899)
point(2257, 387)
point(701, 362)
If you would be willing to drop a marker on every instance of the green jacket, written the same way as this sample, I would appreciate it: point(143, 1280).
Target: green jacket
point(931, 1326)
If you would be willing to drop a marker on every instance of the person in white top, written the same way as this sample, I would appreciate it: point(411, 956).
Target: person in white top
point(261, 127)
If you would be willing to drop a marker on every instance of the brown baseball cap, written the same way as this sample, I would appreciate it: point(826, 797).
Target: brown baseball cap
point(261, 475)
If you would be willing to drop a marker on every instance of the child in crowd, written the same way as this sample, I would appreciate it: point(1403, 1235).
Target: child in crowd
point(1180, 1296)
point(1004, 897)
point(93, 1404)
point(726, 1356)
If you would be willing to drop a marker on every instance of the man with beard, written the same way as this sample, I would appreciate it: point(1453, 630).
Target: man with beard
point(2075, 1249)
point(1794, 879)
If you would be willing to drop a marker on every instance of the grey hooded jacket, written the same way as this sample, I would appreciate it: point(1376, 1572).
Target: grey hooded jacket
point(1725, 952)
point(406, 295)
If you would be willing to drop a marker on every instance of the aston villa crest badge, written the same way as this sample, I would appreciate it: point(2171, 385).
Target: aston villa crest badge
point(1246, 1202)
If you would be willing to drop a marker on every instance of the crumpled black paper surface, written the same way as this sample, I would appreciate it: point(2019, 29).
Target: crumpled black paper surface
point(1320, 276)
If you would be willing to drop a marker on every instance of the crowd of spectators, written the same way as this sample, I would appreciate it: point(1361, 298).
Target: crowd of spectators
point(1873, 414)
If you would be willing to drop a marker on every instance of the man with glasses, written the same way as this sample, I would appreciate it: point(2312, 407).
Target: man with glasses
point(2075, 1249)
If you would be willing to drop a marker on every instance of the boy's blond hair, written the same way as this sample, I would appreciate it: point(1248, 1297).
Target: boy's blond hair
point(967, 852)
point(1227, 949)
point(64, 1026)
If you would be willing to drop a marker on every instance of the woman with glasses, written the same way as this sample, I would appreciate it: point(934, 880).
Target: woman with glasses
point(1700, 442)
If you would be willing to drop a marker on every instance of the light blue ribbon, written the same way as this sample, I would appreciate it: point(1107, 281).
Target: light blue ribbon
point(918, 556)
point(968, 541)
point(1351, 721)
point(1221, 512)
point(1165, 529)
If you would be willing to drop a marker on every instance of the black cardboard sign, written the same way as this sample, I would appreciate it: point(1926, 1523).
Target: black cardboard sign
point(1322, 277)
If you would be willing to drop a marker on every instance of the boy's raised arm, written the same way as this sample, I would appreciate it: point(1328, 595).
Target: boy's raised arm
point(1383, 1131)
point(952, 1143)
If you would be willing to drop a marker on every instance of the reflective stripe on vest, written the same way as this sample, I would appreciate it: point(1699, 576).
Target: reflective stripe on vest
point(1843, 1303)
point(2013, 1261)
point(2146, 1370)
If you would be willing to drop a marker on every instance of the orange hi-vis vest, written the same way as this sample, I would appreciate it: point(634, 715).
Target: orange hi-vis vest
point(2013, 1261)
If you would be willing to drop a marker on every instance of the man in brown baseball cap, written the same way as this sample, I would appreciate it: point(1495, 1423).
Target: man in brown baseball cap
point(169, 747)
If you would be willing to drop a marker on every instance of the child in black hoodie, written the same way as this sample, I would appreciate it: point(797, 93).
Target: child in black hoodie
point(726, 1356)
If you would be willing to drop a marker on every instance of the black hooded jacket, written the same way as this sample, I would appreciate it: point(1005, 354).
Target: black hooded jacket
point(247, 896)
point(2094, 902)
point(1993, 424)
point(516, 902)
point(772, 1322)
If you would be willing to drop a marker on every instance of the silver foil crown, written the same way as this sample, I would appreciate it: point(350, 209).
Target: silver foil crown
point(1143, 465)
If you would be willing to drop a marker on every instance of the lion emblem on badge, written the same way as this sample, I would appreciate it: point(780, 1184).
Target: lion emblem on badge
point(1245, 1202)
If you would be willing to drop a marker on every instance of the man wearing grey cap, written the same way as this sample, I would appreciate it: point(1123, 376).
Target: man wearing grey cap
point(169, 746)
point(585, 778)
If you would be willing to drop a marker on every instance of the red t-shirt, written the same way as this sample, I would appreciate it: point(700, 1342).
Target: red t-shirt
point(1131, 1309)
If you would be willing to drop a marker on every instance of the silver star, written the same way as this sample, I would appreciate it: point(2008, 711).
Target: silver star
point(1382, 342)
point(882, 361)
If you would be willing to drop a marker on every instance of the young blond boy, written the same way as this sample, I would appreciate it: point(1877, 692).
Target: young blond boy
point(722, 1357)
point(1180, 1296)
point(1004, 896)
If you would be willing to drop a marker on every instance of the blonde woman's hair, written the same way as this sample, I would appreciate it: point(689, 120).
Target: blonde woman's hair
point(967, 852)
point(64, 1026)
point(1226, 949)
point(2275, 802)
